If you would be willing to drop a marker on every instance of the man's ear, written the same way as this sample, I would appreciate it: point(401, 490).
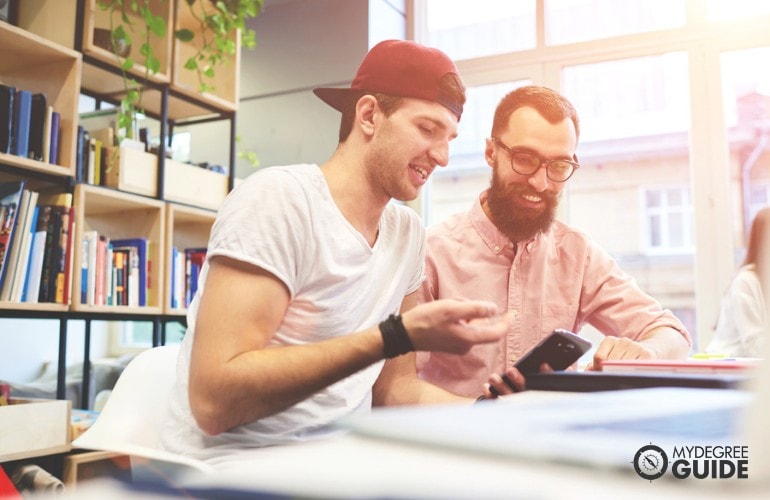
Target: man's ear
point(366, 110)
point(489, 152)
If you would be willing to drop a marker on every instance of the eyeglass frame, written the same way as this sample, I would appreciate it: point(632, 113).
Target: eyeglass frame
point(542, 161)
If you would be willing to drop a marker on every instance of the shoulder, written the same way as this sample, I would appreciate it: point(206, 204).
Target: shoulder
point(746, 280)
point(402, 219)
point(280, 184)
point(449, 229)
point(571, 238)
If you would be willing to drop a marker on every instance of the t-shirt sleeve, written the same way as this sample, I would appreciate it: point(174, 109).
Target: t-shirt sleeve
point(264, 222)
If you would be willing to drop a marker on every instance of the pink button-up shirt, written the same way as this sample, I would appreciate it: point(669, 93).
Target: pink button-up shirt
point(558, 279)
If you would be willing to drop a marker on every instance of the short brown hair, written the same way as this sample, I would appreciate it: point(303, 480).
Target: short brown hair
point(551, 105)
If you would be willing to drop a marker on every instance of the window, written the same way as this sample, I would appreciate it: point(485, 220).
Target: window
point(746, 103)
point(570, 21)
point(488, 27)
point(135, 336)
point(668, 216)
point(667, 171)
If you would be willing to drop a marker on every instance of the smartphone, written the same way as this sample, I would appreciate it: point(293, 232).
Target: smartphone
point(560, 349)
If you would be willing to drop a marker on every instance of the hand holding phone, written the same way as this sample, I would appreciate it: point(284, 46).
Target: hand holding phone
point(559, 350)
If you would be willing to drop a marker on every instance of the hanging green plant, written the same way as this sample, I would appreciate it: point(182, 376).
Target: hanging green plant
point(130, 19)
point(214, 43)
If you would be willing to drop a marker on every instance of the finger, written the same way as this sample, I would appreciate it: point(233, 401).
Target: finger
point(470, 309)
point(515, 379)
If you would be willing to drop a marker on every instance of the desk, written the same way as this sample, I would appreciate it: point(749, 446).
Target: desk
point(351, 466)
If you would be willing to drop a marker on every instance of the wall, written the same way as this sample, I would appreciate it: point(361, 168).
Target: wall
point(301, 44)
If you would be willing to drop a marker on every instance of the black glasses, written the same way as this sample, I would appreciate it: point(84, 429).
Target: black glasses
point(527, 163)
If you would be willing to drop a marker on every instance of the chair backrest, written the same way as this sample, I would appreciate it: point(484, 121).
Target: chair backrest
point(131, 420)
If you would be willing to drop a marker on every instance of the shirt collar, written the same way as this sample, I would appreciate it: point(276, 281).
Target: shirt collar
point(490, 235)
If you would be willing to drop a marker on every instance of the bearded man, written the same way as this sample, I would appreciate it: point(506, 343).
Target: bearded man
point(510, 249)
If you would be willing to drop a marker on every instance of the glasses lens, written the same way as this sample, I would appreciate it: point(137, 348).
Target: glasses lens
point(559, 170)
point(525, 163)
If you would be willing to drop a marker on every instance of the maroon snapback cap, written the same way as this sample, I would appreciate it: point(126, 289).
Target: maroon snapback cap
point(400, 68)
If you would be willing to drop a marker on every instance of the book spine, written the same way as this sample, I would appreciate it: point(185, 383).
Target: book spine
point(37, 119)
point(22, 114)
point(54, 139)
point(7, 98)
point(51, 248)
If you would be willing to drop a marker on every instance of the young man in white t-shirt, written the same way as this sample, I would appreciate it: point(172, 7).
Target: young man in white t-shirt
point(307, 265)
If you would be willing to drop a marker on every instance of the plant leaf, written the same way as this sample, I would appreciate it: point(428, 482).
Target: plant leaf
point(184, 35)
point(157, 25)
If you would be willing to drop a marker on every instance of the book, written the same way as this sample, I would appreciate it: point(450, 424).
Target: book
point(47, 134)
point(37, 252)
point(45, 222)
point(53, 251)
point(22, 113)
point(68, 265)
point(101, 270)
point(7, 98)
point(17, 261)
point(80, 172)
point(10, 203)
point(127, 277)
point(19, 286)
point(37, 126)
point(55, 131)
point(119, 277)
point(88, 267)
point(143, 280)
point(194, 259)
point(56, 251)
point(691, 365)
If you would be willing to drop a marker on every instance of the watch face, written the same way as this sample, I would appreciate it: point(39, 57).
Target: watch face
point(650, 462)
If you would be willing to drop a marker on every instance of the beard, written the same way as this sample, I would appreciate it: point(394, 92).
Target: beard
point(518, 223)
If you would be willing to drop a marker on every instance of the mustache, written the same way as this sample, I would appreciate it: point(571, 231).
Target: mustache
point(523, 189)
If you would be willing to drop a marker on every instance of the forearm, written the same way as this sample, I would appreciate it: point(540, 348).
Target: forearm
point(262, 382)
point(666, 343)
point(399, 385)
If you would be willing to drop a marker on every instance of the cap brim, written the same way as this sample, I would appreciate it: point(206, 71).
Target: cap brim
point(338, 98)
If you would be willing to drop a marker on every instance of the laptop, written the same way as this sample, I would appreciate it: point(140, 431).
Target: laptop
point(590, 381)
point(641, 430)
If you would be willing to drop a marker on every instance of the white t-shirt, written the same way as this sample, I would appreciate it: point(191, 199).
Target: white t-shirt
point(741, 327)
point(284, 220)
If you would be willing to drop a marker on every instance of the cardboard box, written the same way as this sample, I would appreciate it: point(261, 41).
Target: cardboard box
point(34, 427)
point(193, 185)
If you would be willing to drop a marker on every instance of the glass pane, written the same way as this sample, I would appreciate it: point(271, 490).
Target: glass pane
point(746, 89)
point(465, 29)
point(645, 96)
point(724, 10)
point(453, 188)
point(630, 194)
point(569, 21)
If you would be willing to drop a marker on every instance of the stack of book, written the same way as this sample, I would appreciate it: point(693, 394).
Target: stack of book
point(185, 268)
point(115, 272)
point(29, 126)
point(36, 244)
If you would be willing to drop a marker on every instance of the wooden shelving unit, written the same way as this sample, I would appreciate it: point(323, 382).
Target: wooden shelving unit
point(54, 52)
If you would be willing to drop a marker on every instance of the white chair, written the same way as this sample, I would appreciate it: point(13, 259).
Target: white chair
point(130, 422)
